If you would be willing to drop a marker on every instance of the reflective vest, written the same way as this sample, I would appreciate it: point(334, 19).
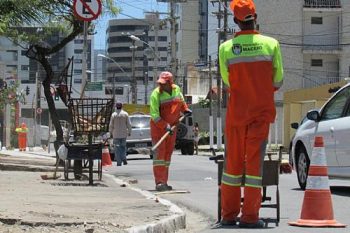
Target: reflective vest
point(166, 108)
point(251, 66)
point(22, 130)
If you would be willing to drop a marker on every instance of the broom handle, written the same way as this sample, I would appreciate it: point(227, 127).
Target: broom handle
point(57, 162)
point(166, 135)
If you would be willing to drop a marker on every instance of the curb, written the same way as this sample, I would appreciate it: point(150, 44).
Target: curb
point(27, 168)
point(173, 223)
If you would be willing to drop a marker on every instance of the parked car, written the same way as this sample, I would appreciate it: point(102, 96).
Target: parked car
point(185, 136)
point(139, 142)
point(332, 122)
point(294, 125)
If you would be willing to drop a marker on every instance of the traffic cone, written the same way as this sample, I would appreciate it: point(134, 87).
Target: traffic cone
point(106, 158)
point(317, 209)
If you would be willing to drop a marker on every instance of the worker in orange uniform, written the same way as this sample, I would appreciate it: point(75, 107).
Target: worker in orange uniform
point(251, 67)
point(22, 136)
point(166, 105)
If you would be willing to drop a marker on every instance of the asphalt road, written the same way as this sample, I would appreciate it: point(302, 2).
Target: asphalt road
point(198, 175)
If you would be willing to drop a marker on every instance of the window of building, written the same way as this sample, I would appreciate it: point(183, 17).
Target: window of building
point(316, 20)
point(13, 54)
point(317, 62)
point(78, 71)
point(162, 38)
point(118, 90)
point(24, 67)
point(78, 51)
point(12, 67)
point(78, 41)
point(162, 49)
point(78, 61)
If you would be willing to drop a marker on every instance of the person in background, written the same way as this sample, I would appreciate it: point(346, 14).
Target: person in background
point(166, 105)
point(251, 67)
point(196, 136)
point(22, 136)
point(120, 128)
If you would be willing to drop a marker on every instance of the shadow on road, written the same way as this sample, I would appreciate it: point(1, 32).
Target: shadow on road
point(336, 190)
point(341, 190)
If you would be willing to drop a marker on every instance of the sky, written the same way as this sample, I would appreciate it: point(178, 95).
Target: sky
point(129, 9)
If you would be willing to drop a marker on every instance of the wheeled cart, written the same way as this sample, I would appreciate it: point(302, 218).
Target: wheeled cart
point(271, 171)
point(80, 152)
point(90, 117)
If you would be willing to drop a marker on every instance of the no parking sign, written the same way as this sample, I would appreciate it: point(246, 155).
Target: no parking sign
point(87, 10)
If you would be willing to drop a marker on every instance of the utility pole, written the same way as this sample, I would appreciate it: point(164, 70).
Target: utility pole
point(211, 122)
point(133, 81)
point(84, 61)
point(173, 61)
point(222, 32)
point(156, 51)
point(173, 40)
point(155, 56)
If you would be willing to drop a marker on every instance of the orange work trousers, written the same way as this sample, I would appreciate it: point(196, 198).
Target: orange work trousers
point(162, 156)
point(245, 150)
point(22, 141)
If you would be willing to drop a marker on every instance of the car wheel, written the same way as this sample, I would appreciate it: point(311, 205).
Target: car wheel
point(112, 156)
point(181, 130)
point(190, 148)
point(183, 150)
point(302, 166)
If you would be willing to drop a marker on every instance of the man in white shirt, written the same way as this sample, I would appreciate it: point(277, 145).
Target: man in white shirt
point(120, 128)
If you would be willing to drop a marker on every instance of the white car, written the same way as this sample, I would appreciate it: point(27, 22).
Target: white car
point(332, 122)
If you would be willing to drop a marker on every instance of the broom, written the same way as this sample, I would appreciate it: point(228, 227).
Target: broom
point(54, 176)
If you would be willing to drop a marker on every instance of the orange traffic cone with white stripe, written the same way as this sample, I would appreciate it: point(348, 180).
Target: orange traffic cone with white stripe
point(317, 209)
point(106, 157)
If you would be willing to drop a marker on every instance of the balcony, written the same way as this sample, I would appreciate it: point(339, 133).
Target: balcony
point(314, 81)
point(328, 44)
point(322, 4)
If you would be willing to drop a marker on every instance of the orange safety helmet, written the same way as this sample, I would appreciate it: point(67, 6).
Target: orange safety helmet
point(165, 77)
point(23, 125)
point(243, 10)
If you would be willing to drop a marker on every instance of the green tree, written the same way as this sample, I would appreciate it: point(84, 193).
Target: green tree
point(54, 16)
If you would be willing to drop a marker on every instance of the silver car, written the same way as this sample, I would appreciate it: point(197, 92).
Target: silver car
point(332, 122)
point(139, 142)
point(140, 139)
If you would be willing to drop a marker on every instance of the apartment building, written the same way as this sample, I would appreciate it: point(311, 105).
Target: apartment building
point(18, 68)
point(136, 61)
point(314, 40)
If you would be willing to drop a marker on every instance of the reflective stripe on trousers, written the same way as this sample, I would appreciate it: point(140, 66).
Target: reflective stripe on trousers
point(245, 151)
point(162, 158)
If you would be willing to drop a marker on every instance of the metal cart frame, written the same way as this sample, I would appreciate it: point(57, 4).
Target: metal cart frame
point(91, 117)
point(271, 171)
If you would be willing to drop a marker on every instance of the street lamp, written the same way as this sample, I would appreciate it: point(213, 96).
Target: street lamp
point(155, 57)
point(121, 68)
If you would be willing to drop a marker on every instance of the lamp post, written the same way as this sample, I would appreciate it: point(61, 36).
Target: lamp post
point(121, 68)
point(155, 56)
point(133, 47)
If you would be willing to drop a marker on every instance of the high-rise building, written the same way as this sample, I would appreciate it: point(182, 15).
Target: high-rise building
point(138, 51)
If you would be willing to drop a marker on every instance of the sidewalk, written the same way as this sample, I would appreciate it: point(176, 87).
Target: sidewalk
point(34, 205)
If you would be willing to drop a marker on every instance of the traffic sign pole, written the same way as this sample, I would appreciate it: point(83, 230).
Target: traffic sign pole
point(86, 11)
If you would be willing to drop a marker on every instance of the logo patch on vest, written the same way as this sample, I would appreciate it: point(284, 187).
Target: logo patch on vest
point(237, 49)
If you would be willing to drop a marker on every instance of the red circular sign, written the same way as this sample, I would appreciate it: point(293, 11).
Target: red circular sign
point(87, 10)
point(39, 110)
